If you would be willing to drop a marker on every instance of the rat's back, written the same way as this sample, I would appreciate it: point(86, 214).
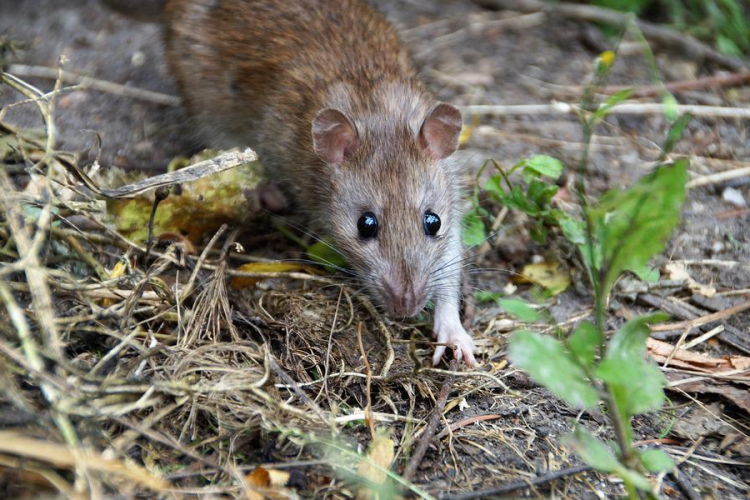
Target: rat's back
point(240, 64)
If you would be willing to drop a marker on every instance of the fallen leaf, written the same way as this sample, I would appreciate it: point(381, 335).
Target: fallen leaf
point(265, 479)
point(466, 132)
point(549, 275)
point(269, 267)
point(677, 271)
point(196, 208)
point(683, 358)
point(373, 468)
point(118, 271)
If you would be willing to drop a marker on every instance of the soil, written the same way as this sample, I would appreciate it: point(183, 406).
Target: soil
point(467, 57)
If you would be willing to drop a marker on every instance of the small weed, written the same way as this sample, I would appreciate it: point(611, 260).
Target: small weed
point(617, 234)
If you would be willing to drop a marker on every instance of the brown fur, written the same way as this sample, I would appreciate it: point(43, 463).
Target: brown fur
point(257, 73)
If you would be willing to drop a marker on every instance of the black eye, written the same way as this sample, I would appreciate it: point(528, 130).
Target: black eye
point(367, 225)
point(431, 223)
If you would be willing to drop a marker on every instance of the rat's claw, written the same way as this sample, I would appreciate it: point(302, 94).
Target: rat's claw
point(454, 334)
point(439, 351)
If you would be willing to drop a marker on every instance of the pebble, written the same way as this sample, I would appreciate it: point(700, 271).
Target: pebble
point(733, 196)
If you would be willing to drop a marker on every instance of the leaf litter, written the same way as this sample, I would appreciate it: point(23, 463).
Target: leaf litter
point(161, 364)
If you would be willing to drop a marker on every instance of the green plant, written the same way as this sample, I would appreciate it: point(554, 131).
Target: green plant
point(723, 23)
point(534, 199)
point(619, 233)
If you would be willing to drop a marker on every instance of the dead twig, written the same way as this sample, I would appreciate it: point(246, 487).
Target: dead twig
point(95, 83)
point(703, 83)
point(730, 335)
point(368, 383)
point(708, 318)
point(718, 177)
point(518, 485)
point(429, 432)
point(225, 161)
point(463, 423)
point(391, 356)
point(290, 383)
point(684, 484)
point(648, 108)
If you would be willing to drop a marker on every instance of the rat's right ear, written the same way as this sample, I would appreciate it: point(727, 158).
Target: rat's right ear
point(334, 136)
point(440, 131)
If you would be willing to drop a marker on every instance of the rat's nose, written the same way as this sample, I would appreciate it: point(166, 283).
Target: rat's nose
point(404, 298)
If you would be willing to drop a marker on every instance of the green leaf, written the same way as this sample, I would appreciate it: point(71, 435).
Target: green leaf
point(541, 193)
point(674, 134)
point(517, 199)
point(633, 225)
point(670, 107)
point(656, 460)
point(548, 363)
point(637, 384)
point(573, 229)
point(646, 273)
point(629, 342)
point(519, 309)
point(611, 102)
point(494, 186)
point(324, 253)
point(483, 296)
point(592, 450)
point(538, 233)
point(596, 454)
point(584, 341)
point(473, 232)
point(727, 46)
point(542, 165)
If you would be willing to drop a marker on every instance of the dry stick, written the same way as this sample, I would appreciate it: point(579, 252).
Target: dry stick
point(730, 335)
point(95, 83)
point(718, 177)
point(368, 407)
point(684, 44)
point(327, 363)
point(383, 331)
point(708, 318)
point(703, 83)
point(684, 483)
point(29, 246)
point(707, 82)
point(225, 161)
point(291, 383)
point(431, 428)
point(467, 421)
point(519, 485)
point(160, 195)
point(649, 108)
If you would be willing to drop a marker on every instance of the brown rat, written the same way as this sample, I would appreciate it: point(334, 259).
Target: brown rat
point(326, 94)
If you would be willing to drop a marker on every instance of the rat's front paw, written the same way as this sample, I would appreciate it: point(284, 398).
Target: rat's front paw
point(453, 333)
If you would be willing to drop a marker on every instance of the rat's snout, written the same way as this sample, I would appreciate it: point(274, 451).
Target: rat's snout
point(403, 297)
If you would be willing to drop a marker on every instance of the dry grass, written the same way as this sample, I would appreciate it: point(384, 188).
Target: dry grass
point(134, 370)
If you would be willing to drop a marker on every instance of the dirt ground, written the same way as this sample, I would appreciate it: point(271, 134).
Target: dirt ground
point(467, 55)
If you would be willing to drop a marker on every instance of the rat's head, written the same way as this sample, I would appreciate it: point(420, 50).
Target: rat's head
point(393, 203)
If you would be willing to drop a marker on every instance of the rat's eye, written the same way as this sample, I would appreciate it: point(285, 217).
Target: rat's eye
point(367, 225)
point(431, 223)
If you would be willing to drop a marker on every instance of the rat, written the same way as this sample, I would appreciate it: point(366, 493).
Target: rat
point(326, 94)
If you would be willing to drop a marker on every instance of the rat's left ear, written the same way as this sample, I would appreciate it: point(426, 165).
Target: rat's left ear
point(440, 131)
